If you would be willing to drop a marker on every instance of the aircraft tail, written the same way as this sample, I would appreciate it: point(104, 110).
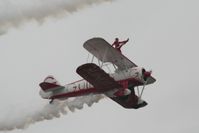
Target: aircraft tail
point(50, 84)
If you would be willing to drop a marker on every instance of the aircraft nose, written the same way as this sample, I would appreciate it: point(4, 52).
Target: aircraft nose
point(147, 74)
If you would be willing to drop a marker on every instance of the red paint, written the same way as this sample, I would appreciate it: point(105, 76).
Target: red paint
point(81, 92)
point(75, 93)
point(119, 93)
point(147, 74)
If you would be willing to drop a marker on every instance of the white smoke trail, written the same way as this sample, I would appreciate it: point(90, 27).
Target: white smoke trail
point(48, 112)
point(16, 12)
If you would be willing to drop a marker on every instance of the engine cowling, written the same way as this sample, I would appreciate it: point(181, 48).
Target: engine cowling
point(140, 73)
point(145, 74)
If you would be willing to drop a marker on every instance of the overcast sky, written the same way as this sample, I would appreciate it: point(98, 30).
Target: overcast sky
point(163, 37)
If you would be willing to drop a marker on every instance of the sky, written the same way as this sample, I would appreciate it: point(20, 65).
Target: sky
point(163, 38)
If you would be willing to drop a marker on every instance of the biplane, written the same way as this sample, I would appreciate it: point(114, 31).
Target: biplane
point(122, 85)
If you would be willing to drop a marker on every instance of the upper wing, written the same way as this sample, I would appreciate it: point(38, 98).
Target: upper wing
point(97, 77)
point(102, 50)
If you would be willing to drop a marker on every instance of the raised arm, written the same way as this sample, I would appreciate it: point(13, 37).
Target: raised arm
point(124, 42)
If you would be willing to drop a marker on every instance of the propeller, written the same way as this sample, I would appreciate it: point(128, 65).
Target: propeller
point(146, 74)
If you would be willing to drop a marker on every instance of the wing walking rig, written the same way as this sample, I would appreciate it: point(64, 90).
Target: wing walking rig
point(118, 85)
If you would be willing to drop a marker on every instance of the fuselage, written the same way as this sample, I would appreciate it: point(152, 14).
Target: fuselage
point(82, 87)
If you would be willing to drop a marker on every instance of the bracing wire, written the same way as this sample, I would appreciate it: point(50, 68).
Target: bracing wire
point(88, 56)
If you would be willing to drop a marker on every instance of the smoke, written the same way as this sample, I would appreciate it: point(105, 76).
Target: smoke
point(17, 12)
point(14, 13)
point(48, 112)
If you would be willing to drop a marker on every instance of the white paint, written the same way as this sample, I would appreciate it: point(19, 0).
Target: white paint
point(132, 73)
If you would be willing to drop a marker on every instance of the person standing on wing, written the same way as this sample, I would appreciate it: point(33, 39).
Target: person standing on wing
point(117, 44)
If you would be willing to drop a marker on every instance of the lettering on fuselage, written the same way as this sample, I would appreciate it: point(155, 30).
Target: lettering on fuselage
point(79, 86)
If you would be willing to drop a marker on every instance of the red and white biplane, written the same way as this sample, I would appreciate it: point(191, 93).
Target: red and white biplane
point(118, 85)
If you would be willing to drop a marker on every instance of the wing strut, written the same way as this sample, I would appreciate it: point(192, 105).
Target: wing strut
point(142, 90)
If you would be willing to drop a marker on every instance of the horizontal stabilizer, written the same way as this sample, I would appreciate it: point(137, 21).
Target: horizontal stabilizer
point(50, 87)
point(50, 84)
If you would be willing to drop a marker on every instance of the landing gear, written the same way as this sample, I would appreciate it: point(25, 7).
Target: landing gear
point(140, 103)
point(131, 87)
point(51, 101)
